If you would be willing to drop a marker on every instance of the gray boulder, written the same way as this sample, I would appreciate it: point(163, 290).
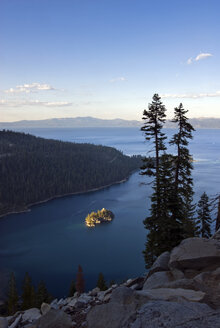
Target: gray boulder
point(161, 264)
point(45, 307)
point(172, 315)
point(171, 294)
point(3, 322)
point(196, 254)
point(119, 312)
point(31, 315)
point(158, 279)
point(54, 319)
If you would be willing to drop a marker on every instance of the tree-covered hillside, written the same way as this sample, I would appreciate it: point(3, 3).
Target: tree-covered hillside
point(34, 169)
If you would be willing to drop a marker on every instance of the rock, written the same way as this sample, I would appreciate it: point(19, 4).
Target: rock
point(122, 295)
point(138, 282)
point(73, 302)
point(161, 264)
point(16, 322)
point(45, 307)
point(54, 319)
point(111, 315)
point(54, 304)
point(172, 315)
point(84, 298)
point(158, 279)
point(114, 286)
point(216, 235)
point(184, 284)
point(196, 253)
point(94, 292)
point(3, 322)
point(31, 315)
point(171, 294)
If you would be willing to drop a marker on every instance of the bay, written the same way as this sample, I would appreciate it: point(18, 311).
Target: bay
point(51, 240)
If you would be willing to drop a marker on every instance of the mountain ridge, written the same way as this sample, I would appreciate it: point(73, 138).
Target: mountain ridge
point(88, 121)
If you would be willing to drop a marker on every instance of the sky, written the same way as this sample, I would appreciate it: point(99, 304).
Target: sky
point(106, 58)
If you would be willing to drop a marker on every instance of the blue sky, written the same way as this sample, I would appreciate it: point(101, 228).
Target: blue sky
point(106, 58)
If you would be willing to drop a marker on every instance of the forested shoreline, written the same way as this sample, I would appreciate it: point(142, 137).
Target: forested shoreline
point(34, 170)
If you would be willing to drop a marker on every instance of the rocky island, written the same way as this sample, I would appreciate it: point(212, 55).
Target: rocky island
point(98, 217)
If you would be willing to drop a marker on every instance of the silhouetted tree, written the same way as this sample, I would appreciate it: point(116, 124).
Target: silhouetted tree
point(204, 220)
point(80, 283)
point(28, 294)
point(183, 209)
point(72, 289)
point(101, 282)
point(12, 300)
point(42, 294)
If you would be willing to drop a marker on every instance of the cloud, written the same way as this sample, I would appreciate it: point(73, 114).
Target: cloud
point(10, 103)
point(121, 78)
point(203, 56)
point(198, 57)
point(192, 95)
point(189, 61)
point(27, 88)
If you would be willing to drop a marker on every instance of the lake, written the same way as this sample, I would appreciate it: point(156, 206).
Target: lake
point(51, 240)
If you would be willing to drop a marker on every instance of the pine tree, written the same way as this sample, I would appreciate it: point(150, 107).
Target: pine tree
point(217, 224)
point(12, 301)
point(101, 282)
point(154, 118)
point(80, 284)
point(28, 294)
point(72, 289)
point(42, 294)
point(183, 208)
point(204, 220)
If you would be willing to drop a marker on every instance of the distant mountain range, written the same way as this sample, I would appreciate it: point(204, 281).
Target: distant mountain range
point(89, 122)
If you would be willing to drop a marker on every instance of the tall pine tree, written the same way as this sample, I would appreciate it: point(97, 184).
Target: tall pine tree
point(183, 208)
point(154, 118)
point(204, 219)
point(80, 283)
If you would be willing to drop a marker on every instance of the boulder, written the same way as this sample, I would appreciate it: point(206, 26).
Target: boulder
point(172, 315)
point(54, 319)
point(3, 322)
point(158, 279)
point(161, 264)
point(31, 315)
point(16, 321)
point(170, 294)
point(94, 292)
point(45, 307)
point(122, 295)
point(216, 235)
point(196, 254)
point(111, 315)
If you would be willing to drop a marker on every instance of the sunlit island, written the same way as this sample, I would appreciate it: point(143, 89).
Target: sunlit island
point(98, 217)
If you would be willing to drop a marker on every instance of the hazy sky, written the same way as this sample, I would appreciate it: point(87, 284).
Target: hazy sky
point(106, 58)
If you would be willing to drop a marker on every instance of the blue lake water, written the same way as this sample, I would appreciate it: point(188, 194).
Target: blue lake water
point(51, 240)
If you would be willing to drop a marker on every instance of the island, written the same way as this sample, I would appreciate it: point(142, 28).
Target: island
point(98, 217)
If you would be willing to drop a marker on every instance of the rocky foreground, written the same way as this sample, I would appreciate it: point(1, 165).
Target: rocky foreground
point(181, 290)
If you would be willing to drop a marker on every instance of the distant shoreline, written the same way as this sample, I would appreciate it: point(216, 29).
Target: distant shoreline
point(28, 207)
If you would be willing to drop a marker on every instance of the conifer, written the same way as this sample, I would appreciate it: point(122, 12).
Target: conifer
point(28, 294)
point(80, 284)
point(101, 282)
point(72, 289)
point(42, 295)
point(12, 301)
point(204, 220)
point(183, 209)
